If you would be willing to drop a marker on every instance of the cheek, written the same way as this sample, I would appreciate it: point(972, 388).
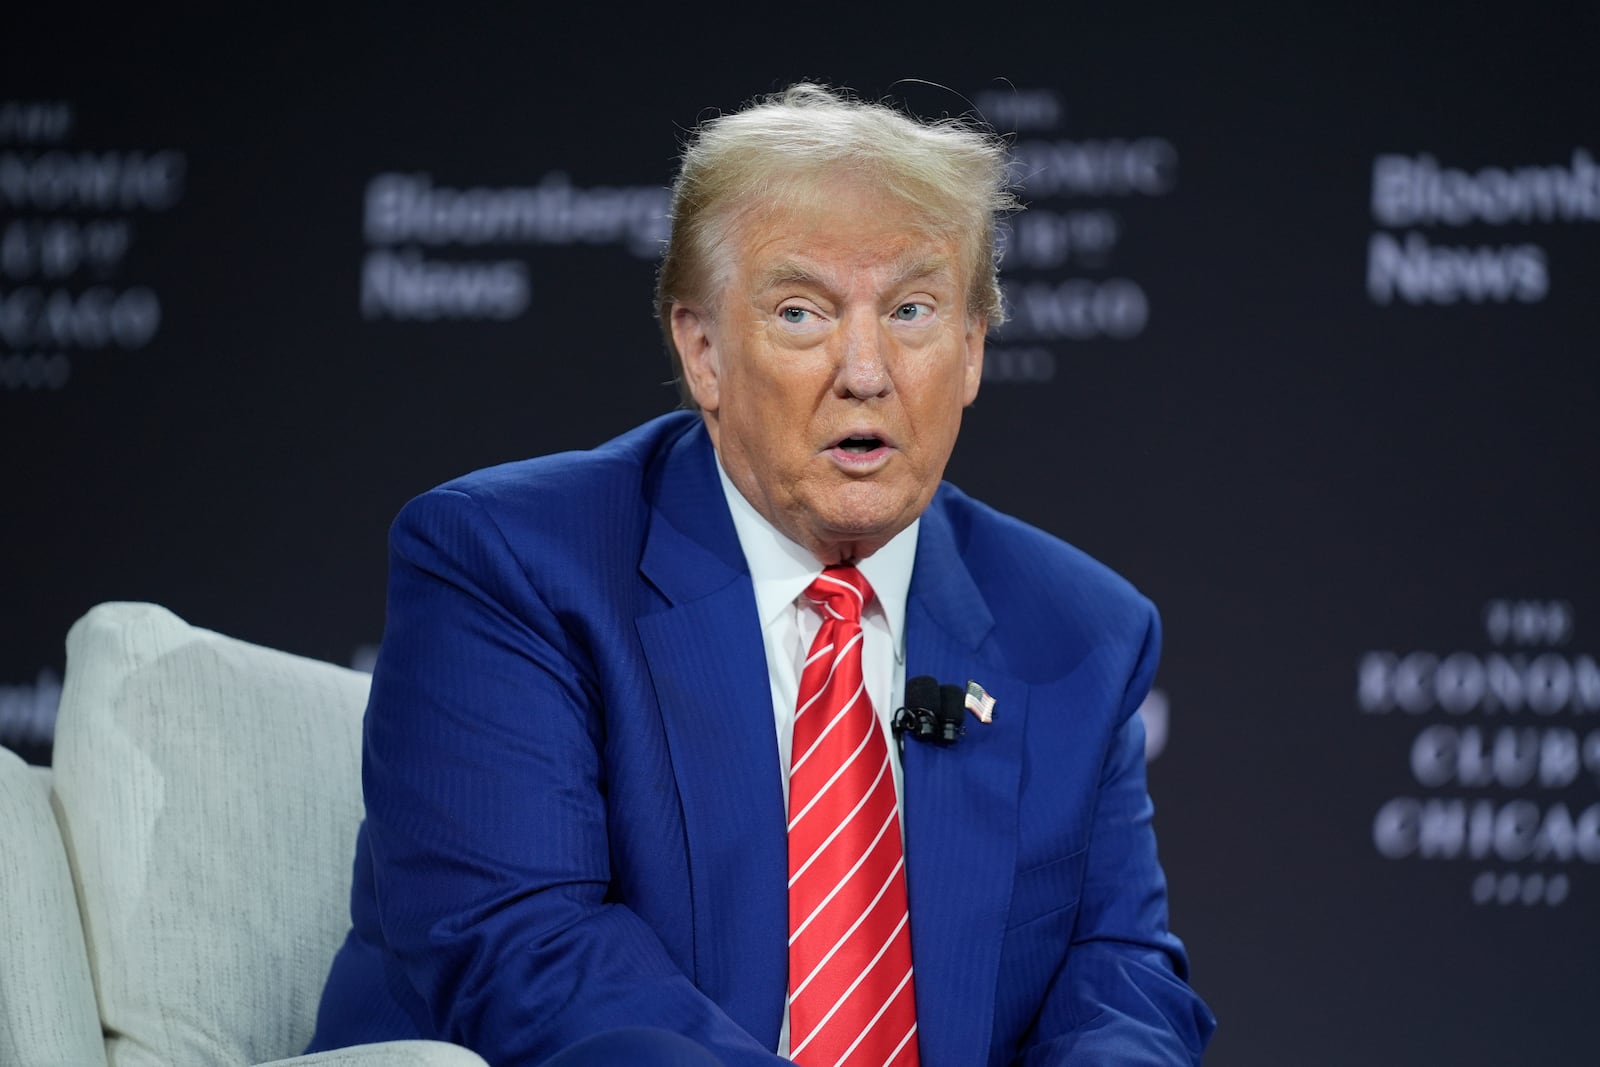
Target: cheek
point(939, 407)
point(766, 429)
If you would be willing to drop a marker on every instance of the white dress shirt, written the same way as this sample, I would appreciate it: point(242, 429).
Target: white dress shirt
point(781, 571)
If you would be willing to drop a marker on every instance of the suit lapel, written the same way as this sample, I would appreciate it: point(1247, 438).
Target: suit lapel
point(960, 807)
point(708, 665)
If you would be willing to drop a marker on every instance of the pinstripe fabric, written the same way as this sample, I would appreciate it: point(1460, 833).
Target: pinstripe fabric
point(851, 998)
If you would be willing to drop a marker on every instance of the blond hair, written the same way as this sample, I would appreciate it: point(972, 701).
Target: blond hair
point(782, 147)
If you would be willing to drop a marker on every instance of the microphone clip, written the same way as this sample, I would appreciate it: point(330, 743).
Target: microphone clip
point(932, 713)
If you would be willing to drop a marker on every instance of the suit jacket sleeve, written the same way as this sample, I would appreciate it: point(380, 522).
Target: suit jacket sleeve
point(484, 777)
point(1121, 997)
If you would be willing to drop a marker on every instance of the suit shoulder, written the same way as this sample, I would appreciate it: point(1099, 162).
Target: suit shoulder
point(567, 519)
point(573, 490)
point(1036, 574)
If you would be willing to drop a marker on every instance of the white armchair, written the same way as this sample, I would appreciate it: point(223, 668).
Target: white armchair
point(176, 884)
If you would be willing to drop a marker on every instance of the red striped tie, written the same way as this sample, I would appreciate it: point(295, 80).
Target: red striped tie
point(851, 999)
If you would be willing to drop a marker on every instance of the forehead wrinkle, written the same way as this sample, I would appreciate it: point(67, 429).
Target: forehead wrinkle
point(910, 266)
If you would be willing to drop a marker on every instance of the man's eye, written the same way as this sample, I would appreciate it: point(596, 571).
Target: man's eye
point(794, 315)
point(912, 312)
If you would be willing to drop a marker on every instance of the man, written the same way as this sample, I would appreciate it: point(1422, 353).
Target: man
point(628, 757)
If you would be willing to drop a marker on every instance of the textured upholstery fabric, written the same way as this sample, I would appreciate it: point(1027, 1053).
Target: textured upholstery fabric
point(389, 1054)
point(47, 1011)
point(209, 793)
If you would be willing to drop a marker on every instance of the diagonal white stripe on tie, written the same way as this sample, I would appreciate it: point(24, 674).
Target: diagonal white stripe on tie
point(844, 832)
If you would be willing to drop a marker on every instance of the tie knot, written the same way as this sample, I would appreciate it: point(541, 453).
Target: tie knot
point(841, 592)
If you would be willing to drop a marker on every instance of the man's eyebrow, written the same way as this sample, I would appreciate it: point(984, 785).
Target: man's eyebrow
point(786, 272)
point(915, 268)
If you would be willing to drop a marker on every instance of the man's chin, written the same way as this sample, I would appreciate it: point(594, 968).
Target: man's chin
point(852, 537)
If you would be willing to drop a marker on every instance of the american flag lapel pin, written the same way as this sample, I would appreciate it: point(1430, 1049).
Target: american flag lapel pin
point(979, 702)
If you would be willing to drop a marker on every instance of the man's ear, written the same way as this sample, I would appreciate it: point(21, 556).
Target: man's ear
point(977, 329)
point(691, 333)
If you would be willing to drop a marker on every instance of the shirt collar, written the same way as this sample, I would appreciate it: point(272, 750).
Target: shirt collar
point(780, 569)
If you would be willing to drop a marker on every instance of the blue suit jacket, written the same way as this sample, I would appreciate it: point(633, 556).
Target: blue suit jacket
point(575, 817)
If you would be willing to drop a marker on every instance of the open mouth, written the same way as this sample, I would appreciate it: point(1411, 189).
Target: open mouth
point(861, 445)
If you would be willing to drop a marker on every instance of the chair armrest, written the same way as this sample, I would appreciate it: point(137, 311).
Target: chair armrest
point(388, 1054)
point(47, 1003)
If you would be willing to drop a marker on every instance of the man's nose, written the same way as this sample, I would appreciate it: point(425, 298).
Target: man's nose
point(864, 358)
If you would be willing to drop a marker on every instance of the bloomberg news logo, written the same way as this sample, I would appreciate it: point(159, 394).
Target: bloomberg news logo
point(1505, 758)
point(1438, 254)
point(437, 252)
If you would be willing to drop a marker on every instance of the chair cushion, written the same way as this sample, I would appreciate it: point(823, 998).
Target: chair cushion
point(47, 1012)
point(210, 795)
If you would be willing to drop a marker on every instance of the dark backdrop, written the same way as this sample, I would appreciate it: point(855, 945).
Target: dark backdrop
point(1306, 319)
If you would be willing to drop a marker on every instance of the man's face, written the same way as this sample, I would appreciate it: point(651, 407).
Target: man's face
point(833, 373)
